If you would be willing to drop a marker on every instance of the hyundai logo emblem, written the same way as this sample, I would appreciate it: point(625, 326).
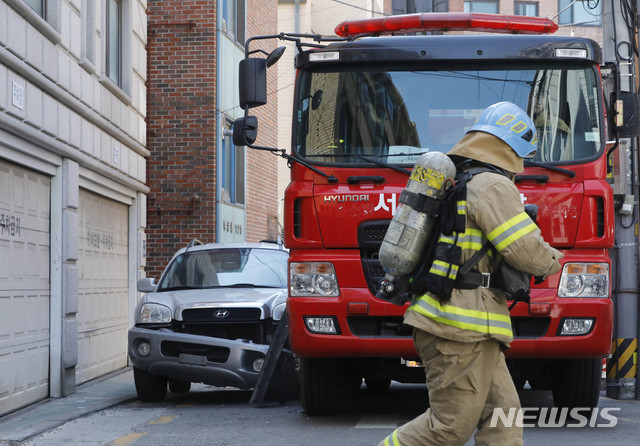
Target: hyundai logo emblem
point(221, 314)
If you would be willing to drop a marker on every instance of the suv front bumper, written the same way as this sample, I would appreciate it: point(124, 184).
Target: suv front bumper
point(194, 358)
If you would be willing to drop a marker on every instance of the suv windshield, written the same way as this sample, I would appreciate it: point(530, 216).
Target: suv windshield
point(242, 267)
point(394, 116)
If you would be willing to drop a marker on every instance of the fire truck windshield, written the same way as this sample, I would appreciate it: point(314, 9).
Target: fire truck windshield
point(394, 116)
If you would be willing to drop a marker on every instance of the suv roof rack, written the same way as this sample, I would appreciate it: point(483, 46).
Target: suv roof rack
point(194, 242)
point(277, 241)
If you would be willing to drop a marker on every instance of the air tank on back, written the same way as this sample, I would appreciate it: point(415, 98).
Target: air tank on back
point(414, 220)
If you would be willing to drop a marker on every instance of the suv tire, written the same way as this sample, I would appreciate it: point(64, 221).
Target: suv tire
point(150, 388)
point(179, 386)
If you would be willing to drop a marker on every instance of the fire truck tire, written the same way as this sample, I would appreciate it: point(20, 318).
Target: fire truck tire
point(577, 382)
point(350, 382)
point(150, 388)
point(377, 385)
point(318, 389)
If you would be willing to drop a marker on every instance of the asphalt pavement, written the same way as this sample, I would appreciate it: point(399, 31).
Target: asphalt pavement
point(118, 387)
point(94, 396)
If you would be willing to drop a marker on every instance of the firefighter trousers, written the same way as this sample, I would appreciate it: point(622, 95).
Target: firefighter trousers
point(466, 382)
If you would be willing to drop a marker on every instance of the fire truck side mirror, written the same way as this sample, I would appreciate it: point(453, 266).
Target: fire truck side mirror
point(275, 55)
point(245, 131)
point(625, 113)
point(252, 82)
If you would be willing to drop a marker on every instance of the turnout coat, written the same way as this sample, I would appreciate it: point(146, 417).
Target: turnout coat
point(494, 212)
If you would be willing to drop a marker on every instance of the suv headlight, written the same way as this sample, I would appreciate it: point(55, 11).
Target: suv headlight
point(584, 280)
point(278, 311)
point(154, 314)
point(313, 279)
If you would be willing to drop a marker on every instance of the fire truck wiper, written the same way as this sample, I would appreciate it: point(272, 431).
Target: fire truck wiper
point(372, 161)
point(567, 172)
point(290, 158)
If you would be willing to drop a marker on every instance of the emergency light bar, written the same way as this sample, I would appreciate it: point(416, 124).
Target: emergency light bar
point(447, 21)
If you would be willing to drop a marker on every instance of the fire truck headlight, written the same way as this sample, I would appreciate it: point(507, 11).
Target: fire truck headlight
point(313, 279)
point(573, 327)
point(584, 280)
point(321, 325)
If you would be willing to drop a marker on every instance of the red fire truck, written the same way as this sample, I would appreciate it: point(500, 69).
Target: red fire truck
point(366, 106)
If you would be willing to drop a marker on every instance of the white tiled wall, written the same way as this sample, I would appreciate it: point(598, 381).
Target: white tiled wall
point(55, 77)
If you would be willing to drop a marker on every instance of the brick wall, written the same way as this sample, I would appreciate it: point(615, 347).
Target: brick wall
point(181, 127)
point(262, 167)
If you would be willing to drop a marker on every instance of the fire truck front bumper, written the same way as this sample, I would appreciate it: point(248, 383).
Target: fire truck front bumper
point(552, 327)
point(352, 325)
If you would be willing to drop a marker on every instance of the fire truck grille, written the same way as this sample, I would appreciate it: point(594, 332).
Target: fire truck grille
point(374, 233)
point(528, 327)
point(370, 236)
point(379, 326)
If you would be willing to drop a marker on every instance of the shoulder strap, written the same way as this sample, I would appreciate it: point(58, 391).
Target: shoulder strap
point(484, 167)
point(487, 168)
point(473, 261)
point(475, 167)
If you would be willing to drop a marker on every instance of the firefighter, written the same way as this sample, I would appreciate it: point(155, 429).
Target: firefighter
point(461, 341)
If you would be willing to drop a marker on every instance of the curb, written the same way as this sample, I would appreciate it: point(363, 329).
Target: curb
point(104, 392)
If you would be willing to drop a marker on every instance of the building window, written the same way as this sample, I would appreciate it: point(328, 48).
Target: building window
point(114, 41)
point(39, 6)
point(88, 34)
point(233, 162)
point(413, 6)
point(580, 13)
point(486, 6)
point(44, 15)
point(526, 8)
point(233, 19)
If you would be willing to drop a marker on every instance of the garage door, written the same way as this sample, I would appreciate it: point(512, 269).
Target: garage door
point(103, 286)
point(24, 286)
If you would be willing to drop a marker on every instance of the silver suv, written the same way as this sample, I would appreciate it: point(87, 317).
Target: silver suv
point(210, 318)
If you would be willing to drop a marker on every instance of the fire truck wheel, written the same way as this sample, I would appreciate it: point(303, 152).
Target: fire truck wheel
point(576, 382)
point(150, 388)
point(318, 390)
point(350, 382)
point(377, 385)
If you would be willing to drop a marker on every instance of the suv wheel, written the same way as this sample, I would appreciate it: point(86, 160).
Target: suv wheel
point(150, 388)
point(179, 386)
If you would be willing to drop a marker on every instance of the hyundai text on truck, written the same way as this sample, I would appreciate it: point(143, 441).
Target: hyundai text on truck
point(366, 106)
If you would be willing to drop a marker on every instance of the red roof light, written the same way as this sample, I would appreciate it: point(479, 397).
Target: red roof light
point(449, 21)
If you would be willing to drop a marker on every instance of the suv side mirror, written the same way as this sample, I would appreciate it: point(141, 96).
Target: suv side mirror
point(146, 285)
point(625, 112)
point(245, 131)
point(252, 82)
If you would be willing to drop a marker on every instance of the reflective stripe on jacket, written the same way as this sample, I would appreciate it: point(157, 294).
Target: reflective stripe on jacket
point(480, 321)
point(392, 440)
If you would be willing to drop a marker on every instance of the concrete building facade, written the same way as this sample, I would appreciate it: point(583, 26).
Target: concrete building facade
point(72, 190)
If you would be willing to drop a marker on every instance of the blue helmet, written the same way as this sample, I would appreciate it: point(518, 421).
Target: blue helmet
point(511, 124)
